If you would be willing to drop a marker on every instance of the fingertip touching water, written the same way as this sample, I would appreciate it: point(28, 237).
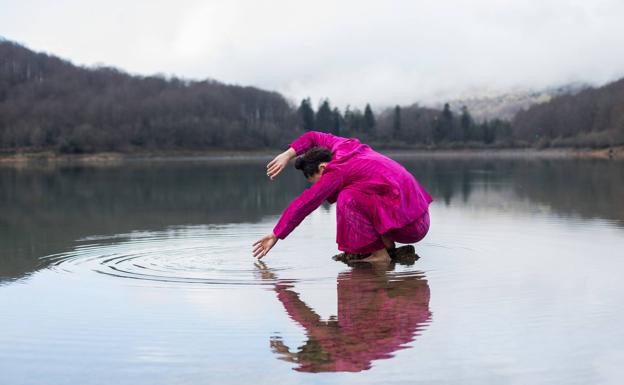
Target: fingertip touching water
point(378, 202)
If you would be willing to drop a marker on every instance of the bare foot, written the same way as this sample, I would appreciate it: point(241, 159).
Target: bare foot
point(378, 256)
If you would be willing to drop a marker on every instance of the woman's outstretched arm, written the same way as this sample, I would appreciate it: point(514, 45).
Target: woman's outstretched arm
point(329, 184)
point(308, 201)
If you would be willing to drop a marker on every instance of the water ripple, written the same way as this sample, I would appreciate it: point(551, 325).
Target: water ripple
point(197, 255)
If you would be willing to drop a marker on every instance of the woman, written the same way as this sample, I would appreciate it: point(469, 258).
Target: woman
point(378, 201)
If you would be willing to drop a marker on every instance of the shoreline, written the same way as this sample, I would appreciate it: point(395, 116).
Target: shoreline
point(25, 158)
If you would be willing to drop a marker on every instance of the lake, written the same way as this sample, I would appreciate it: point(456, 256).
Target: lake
point(141, 273)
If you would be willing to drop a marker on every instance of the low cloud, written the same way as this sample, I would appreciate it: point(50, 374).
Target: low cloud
point(385, 53)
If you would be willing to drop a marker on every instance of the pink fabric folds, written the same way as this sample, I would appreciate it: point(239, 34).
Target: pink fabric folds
point(394, 198)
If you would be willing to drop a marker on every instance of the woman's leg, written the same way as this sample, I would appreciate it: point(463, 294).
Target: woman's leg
point(355, 232)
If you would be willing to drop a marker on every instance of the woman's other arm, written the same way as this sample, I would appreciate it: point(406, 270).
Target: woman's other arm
point(298, 147)
point(315, 139)
point(279, 163)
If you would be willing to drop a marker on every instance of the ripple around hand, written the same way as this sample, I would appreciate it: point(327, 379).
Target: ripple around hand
point(191, 255)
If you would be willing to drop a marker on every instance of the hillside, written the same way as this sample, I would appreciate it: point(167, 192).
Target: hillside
point(49, 103)
point(593, 117)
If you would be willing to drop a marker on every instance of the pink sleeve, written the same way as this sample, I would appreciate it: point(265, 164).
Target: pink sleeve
point(314, 138)
point(296, 308)
point(307, 202)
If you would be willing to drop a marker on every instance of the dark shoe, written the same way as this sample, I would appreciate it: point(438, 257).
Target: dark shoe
point(398, 252)
point(404, 255)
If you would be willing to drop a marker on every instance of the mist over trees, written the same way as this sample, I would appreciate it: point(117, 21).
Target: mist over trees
point(47, 103)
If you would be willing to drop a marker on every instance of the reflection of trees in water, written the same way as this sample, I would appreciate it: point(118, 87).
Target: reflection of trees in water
point(379, 313)
point(588, 188)
point(45, 210)
point(445, 179)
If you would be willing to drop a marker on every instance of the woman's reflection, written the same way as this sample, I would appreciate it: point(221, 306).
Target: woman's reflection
point(379, 312)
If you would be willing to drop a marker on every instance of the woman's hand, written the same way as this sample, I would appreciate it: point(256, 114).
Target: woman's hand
point(262, 246)
point(279, 163)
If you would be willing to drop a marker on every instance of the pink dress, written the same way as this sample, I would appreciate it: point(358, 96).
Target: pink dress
point(375, 196)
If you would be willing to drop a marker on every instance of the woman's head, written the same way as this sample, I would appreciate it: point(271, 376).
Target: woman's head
point(313, 162)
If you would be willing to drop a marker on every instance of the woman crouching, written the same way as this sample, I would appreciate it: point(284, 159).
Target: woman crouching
point(378, 201)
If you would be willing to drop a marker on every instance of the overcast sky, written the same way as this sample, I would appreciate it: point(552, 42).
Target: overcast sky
point(382, 52)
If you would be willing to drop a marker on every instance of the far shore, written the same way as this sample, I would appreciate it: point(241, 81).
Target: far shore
point(25, 157)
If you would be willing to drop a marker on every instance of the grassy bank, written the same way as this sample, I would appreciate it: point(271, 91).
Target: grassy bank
point(26, 157)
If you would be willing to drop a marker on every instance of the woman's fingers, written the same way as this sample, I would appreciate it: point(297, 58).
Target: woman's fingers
point(262, 246)
point(276, 165)
point(277, 168)
point(259, 249)
point(274, 172)
point(273, 169)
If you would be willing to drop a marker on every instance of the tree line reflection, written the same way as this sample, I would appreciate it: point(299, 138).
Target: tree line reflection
point(45, 210)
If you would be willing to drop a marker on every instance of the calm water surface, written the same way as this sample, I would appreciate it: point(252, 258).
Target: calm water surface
point(142, 274)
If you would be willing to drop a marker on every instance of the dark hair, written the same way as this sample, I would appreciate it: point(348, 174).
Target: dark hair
point(309, 162)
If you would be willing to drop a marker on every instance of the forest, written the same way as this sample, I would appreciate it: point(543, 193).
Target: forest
point(592, 118)
point(47, 103)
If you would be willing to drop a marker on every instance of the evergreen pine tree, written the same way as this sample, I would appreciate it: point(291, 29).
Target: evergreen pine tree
point(338, 126)
point(306, 115)
point(487, 132)
point(466, 124)
point(396, 124)
point(324, 117)
point(369, 120)
point(443, 126)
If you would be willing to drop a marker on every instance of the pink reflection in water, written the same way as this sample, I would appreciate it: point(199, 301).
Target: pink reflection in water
point(378, 313)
